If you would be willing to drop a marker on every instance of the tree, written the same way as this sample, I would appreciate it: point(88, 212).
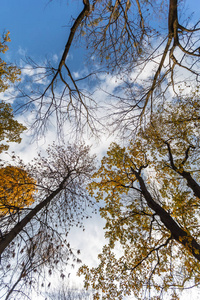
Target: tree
point(124, 36)
point(62, 95)
point(16, 189)
point(148, 59)
point(34, 239)
point(151, 205)
point(10, 129)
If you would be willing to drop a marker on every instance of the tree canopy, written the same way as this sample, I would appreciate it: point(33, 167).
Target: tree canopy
point(148, 59)
point(151, 199)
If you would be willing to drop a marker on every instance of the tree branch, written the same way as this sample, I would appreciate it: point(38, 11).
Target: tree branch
point(180, 235)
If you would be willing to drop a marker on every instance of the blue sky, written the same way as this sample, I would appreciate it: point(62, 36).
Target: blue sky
point(38, 28)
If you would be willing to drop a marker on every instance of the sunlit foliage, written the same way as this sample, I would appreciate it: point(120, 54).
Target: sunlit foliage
point(8, 73)
point(16, 189)
point(10, 129)
point(151, 200)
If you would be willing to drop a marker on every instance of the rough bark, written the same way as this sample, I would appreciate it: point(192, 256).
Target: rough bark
point(172, 17)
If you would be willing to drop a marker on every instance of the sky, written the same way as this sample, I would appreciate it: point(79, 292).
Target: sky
point(39, 29)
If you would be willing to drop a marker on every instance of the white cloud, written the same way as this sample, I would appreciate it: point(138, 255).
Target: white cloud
point(22, 51)
point(55, 58)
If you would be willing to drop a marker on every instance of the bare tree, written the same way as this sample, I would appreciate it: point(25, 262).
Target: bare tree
point(126, 38)
point(58, 92)
point(128, 41)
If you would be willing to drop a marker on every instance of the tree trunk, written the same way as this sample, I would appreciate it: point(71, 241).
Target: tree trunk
point(76, 24)
point(172, 17)
point(177, 232)
point(9, 237)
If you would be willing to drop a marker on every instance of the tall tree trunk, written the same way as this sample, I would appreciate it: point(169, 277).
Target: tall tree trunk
point(177, 232)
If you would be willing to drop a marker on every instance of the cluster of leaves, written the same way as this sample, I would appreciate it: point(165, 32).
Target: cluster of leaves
point(148, 188)
point(10, 129)
point(17, 189)
point(8, 73)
